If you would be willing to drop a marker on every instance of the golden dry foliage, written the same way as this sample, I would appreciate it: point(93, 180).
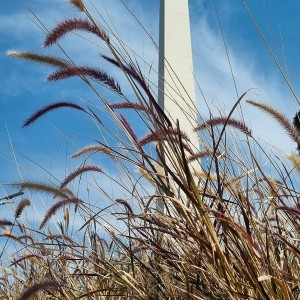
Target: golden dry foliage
point(228, 232)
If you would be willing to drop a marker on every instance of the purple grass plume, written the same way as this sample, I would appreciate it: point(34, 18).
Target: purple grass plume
point(282, 119)
point(126, 204)
point(160, 135)
point(130, 105)
point(55, 207)
point(96, 74)
point(129, 128)
point(225, 121)
point(48, 108)
point(78, 172)
point(24, 257)
point(170, 135)
point(4, 222)
point(21, 206)
point(70, 25)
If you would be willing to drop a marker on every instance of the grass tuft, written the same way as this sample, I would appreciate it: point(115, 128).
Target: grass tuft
point(167, 220)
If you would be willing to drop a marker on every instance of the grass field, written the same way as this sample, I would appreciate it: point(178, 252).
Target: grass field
point(230, 227)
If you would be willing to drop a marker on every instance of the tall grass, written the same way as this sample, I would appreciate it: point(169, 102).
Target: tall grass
point(229, 230)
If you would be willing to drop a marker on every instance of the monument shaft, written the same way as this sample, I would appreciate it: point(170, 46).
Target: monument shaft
point(176, 80)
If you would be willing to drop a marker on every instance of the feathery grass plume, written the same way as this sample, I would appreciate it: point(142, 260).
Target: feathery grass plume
point(4, 222)
point(94, 148)
point(55, 207)
point(285, 123)
point(78, 4)
point(126, 204)
point(129, 105)
point(48, 108)
point(224, 121)
point(161, 134)
point(41, 187)
point(45, 285)
point(40, 58)
point(169, 134)
point(295, 159)
point(31, 257)
point(129, 128)
point(70, 25)
point(96, 74)
point(140, 80)
point(60, 236)
point(78, 172)
point(21, 206)
point(10, 236)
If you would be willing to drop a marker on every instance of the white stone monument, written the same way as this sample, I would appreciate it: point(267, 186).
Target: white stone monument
point(176, 79)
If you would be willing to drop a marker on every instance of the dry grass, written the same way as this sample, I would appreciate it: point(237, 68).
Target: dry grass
point(230, 231)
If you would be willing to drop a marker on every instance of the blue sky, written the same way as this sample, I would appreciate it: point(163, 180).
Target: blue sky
point(50, 141)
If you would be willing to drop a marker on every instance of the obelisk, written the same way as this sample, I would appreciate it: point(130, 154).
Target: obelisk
point(176, 83)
